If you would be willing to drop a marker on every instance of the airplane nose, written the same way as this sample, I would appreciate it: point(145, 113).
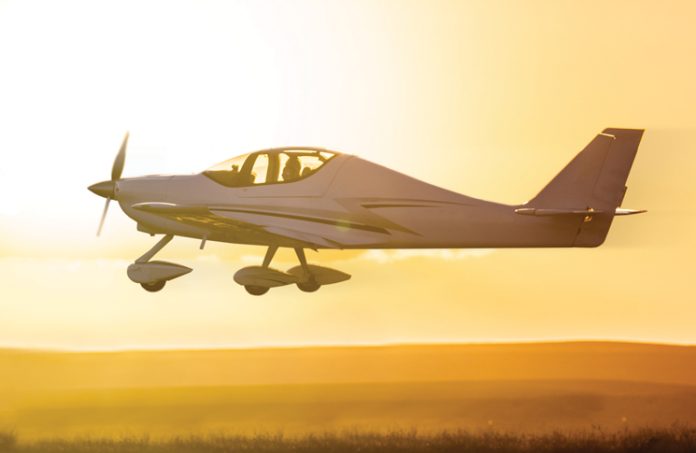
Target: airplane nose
point(106, 189)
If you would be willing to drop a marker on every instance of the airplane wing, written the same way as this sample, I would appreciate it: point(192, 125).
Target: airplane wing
point(239, 221)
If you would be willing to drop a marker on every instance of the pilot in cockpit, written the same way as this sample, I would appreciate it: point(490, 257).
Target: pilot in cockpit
point(292, 169)
point(232, 175)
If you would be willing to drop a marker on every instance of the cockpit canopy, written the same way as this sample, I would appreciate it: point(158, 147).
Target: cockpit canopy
point(271, 166)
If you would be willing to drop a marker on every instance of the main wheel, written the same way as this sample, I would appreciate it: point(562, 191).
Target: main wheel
point(256, 290)
point(308, 286)
point(153, 287)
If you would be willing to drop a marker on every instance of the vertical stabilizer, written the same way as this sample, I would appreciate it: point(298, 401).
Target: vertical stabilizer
point(594, 180)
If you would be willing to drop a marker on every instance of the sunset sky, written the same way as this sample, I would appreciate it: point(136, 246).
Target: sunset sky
point(487, 98)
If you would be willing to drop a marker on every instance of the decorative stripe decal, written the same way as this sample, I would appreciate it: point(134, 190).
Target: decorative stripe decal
point(386, 205)
point(337, 223)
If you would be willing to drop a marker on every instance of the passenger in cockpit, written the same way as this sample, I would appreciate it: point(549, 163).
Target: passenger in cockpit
point(292, 169)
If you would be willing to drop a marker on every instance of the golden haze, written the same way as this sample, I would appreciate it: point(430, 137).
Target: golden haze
point(509, 387)
point(487, 98)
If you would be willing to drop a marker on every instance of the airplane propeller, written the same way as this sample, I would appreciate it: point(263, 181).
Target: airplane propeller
point(107, 189)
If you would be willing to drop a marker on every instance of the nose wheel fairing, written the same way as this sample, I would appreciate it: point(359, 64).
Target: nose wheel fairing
point(153, 275)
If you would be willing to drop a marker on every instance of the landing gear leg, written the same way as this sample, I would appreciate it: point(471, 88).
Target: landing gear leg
point(310, 284)
point(270, 253)
point(256, 290)
point(154, 250)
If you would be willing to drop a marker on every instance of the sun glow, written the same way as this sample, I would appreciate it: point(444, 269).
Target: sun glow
point(486, 98)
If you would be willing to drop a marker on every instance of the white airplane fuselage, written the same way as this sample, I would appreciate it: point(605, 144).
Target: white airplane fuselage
point(351, 202)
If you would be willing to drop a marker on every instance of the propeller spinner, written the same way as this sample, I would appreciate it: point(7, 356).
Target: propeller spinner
point(107, 189)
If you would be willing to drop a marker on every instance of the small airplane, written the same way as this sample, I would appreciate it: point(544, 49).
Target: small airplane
point(314, 198)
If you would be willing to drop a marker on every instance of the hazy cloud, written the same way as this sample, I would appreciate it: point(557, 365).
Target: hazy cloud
point(386, 256)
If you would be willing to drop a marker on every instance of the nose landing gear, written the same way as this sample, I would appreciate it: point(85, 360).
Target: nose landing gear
point(153, 275)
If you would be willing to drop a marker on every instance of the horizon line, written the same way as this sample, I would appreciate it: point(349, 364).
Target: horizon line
point(395, 344)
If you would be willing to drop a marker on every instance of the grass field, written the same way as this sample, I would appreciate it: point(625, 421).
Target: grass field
point(298, 409)
point(673, 440)
point(332, 399)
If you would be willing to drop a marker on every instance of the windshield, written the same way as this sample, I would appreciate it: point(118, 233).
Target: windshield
point(269, 167)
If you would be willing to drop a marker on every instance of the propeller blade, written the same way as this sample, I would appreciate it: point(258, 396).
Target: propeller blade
point(101, 222)
point(120, 160)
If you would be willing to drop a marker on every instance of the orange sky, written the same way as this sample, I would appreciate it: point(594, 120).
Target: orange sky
point(488, 98)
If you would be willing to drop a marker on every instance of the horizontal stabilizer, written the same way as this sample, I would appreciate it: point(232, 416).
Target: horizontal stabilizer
point(550, 212)
point(623, 211)
point(578, 212)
